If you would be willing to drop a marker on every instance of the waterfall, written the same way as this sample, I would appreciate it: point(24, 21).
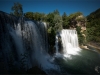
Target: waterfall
point(69, 42)
point(24, 40)
point(56, 42)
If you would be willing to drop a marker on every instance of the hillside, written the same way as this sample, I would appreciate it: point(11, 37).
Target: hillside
point(93, 26)
point(93, 29)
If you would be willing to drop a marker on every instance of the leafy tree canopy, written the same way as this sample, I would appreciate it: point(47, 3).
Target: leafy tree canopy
point(17, 9)
point(93, 26)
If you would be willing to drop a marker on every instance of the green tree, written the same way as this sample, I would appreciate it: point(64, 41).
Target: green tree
point(55, 24)
point(93, 26)
point(17, 9)
point(43, 17)
point(73, 19)
point(65, 21)
point(56, 12)
point(58, 22)
point(51, 31)
point(74, 15)
point(29, 15)
point(55, 20)
point(81, 38)
point(36, 16)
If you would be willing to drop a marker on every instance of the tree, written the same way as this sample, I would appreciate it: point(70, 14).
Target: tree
point(64, 16)
point(81, 38)
point(55, 24)
point(73, 20)
point(56, 12)
point(65, 21)
point(93, 26)
point(17, 9)
point(29, 15)
point(58, 22)
point(55, 20)
point(73, 16)
point(37, 16)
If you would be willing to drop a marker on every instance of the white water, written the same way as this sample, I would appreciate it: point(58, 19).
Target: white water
point(25, 37)
point(38, 55)
point(31, 38)
point(56, 42)
point(69, 42)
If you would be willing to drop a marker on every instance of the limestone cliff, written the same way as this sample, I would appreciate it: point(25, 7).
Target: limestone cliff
point(80, 23)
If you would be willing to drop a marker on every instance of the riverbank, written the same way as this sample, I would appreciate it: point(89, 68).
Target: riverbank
point(94, 45)
point(91, 46)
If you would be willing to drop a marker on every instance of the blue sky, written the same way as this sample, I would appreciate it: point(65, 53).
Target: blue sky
point(46, 6)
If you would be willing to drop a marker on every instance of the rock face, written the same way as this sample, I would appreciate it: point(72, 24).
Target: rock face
point(84, 47)
point(59, 47)
point(80, 21)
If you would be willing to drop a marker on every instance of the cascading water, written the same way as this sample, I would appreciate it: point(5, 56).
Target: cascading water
point(73, 59)
point(56, 42)
point(24, 41)
point(69, 42)
point(23, 44)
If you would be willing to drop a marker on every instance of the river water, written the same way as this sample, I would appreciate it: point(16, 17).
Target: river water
point(87, 62)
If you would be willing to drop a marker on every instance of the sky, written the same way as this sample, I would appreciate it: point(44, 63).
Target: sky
point(47, 6)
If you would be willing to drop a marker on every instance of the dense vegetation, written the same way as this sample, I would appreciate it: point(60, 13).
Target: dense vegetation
point(56, 22)
point(93, 26)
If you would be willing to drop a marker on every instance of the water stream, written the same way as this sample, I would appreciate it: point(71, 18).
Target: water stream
point(23, 45)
